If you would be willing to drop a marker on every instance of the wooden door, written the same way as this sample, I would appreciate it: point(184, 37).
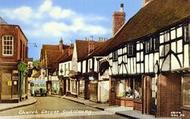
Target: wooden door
point(146, 95)
point(112, 97)
point(6, 86)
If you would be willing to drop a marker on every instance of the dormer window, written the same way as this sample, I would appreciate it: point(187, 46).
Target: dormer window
point(7, 45)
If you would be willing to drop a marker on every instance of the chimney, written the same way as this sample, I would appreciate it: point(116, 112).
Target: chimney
point(61, 45)
point(118, 19)
point(70, 49)
point(145, 2)
point(91, 46)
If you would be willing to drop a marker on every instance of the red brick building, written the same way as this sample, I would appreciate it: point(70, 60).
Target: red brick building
point(13, 49)
point(49, 63)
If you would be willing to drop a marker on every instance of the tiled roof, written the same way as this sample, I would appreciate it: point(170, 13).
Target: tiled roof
point(53, 52)
point(101, 50)
point(64, 57)
point(152, 18)
point(82, 48)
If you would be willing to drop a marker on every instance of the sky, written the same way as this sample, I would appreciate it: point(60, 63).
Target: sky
point(47, 21)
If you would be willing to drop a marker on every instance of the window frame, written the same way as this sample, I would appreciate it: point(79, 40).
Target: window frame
point(131, 49)
point(115, 55)
point(3, 45)
point(186, 30)
point(152, 45)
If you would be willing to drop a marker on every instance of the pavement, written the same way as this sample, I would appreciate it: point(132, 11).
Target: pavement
point(7, 106)
point(119, 110)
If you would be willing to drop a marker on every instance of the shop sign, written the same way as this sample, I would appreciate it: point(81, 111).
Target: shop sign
point(9, 83)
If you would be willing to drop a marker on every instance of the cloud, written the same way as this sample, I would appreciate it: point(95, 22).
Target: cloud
point(23, 13)
point(50, 21)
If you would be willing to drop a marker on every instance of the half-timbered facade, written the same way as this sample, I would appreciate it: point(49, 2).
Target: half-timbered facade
point(150, 62)
point(97, 73)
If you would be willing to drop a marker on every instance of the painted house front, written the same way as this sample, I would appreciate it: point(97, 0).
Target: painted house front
point(65, 68)
point(149, 66)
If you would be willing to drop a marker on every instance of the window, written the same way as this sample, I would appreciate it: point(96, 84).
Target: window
point(156, 44)
point(115, 56)
point(131, 49)
point(186, 91)
point(166, 36)
point(68, 66)
point(89, 65)
point(187, 32)
point(152, 45)
point(64, 69)
point(7, 43)
point(147, 47)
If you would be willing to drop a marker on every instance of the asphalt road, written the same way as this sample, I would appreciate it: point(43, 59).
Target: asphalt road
point(57, 108)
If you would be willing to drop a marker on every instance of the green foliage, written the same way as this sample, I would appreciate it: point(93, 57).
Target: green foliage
point(22, 67)
point(36, 63)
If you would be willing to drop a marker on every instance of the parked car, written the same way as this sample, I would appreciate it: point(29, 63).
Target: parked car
point(38, 87)
point(40, 92)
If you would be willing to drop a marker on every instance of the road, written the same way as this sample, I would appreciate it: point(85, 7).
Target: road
point(57, 108)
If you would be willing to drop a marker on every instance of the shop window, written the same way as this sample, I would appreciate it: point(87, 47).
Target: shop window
point(73, 86)
point(138, 89)
point(121, 88)
point(186, 91)
point(8, 44)
point(125, 88)
point(129, 89)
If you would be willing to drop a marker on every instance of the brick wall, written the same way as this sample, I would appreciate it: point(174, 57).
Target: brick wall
point(118, 21)
point(169, 94)
point(20, 43)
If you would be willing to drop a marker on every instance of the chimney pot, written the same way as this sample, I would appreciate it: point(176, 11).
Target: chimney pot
point(122, 7)
point(118, 19)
